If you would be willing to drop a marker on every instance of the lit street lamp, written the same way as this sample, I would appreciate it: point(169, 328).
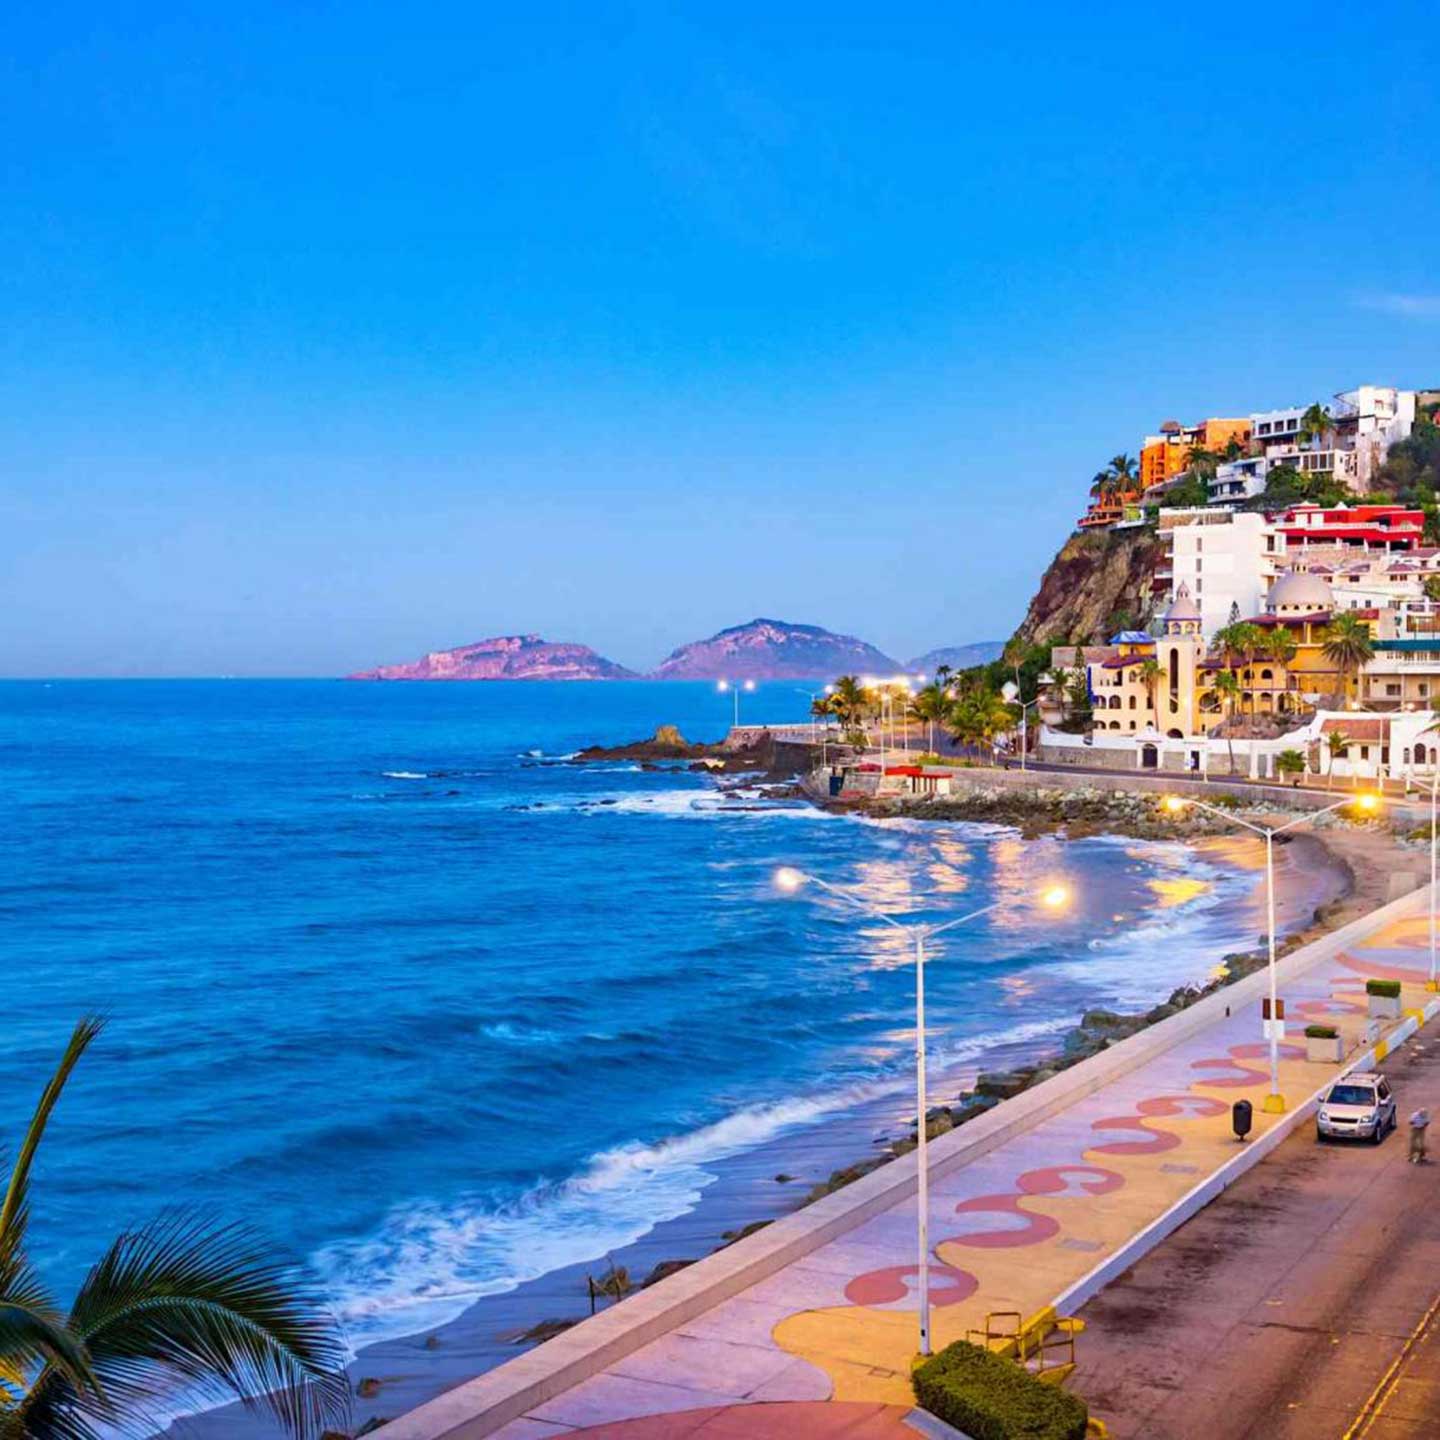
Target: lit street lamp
point(1054, 897)
point(748, 686)
point(1011, 691)
point(1274, 1102)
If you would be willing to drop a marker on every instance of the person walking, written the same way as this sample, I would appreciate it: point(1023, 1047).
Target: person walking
point(1419, 1123)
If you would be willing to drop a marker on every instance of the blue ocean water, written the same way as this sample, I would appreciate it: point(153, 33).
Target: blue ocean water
point(439, 1012)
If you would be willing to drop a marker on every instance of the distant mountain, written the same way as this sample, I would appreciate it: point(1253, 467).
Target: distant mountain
point(774, 650)
point(506, 657)
point(957, 657)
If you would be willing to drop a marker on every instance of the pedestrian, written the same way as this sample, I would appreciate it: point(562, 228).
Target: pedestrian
point(1419, 1123)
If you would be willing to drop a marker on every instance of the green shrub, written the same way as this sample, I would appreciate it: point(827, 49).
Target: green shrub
point(1383, 987)
point(1320, 1032)
point(990, 1397)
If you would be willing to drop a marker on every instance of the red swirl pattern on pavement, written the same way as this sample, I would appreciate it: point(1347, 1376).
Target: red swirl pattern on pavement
point(894, 1287)
point(1154, 1141)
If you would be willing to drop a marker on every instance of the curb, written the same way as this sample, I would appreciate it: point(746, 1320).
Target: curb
point(1088, 1286)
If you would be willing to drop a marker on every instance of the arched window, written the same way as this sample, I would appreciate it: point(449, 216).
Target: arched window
point(1174, 671)
point(1175, 734)
point(1132, 702)
point(1419, 752)
point(1114, 702)
point(1267, 675)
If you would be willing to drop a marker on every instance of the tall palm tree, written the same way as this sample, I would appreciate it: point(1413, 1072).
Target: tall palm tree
point(177, 1308)
point(1240, 643)
point(1226, 685)
point(1150, 671)
point(1347, 645)
point(1280, 648)
point(929, 704)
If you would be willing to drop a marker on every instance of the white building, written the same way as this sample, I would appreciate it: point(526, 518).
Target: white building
point(1365, 423)
point(1228, 560)
point(1239, 479)
point(1369, 420)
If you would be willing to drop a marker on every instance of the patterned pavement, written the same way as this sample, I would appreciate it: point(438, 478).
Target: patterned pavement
point(824, 1347)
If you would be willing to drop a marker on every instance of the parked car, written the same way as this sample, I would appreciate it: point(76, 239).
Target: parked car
point(1359, 1107)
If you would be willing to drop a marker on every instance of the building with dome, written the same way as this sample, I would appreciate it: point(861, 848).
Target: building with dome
point(1298, 594)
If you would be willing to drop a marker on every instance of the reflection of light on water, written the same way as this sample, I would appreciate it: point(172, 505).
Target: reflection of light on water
point(1178, 891)
point(1017, 987)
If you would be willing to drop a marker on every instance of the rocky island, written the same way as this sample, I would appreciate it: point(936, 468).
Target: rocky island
point(774, 650)
point(505, 657)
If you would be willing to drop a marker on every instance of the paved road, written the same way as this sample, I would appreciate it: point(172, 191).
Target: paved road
point(1302, 1303)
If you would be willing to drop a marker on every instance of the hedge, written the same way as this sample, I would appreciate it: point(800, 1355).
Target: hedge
point(1383, 987)
point(991, 1397)
point(1321, 1032)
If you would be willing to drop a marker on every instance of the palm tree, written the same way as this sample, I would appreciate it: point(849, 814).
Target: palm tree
point(1202, 462)
point(1240, 643)
point(1347, 645)
point(1122, 473)
point(1337, 743)
point(1280, 648)
point(1314, 425)
point(929, 704)
point(1150, 671)
point(1226, 685)
point(849, 703)
point(178, 1307)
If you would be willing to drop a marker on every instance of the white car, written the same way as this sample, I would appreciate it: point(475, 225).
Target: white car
point(1359, 1107)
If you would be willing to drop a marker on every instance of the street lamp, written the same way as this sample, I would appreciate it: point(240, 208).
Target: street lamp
point(1054, 897)
point(1274, 1102)
point(1432, 983)
point(1011, 692)
point(748, 686)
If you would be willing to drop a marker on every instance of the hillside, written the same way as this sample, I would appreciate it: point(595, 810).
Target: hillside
point(774, 650)
point(957, 657)
point(505, 657)
point(1098, 583)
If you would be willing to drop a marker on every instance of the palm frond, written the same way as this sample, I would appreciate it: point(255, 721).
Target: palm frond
point(33, 1338)
point(15, 1209)
point(184, 1308)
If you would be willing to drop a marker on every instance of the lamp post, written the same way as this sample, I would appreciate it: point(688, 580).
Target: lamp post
point(1011, 691)
point(1274, 1102)
point(1432, 983)
point(790, 880)
point(746, 685)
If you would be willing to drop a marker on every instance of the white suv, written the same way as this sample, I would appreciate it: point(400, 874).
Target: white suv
point(1358, 1107)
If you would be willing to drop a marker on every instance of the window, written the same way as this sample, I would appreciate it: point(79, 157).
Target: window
point(1132, 702)
point(1364, 752)
point(1392, 689)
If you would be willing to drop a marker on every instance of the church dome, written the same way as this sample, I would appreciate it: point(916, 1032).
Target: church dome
point(1299, 592)
point(1182, 607)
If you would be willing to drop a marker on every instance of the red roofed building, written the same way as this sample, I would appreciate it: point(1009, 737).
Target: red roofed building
point(1355, 527)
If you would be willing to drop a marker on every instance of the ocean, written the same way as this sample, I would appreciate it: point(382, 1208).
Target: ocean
point(439, 1011)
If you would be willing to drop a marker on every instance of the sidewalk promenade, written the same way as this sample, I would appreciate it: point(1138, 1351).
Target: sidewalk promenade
point(825, 1344)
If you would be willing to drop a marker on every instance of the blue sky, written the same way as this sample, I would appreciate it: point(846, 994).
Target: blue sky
point(330, 334)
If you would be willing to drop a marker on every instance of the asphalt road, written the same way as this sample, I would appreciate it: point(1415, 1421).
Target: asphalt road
point(1303, 1304)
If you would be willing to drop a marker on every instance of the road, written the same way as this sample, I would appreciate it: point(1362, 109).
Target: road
point(1305, 1302)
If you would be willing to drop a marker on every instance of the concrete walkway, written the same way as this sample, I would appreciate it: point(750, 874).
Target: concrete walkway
point(1310, 1287)
point(1013, 1229)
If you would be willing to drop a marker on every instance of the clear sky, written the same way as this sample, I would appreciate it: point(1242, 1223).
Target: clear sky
point(334, 333)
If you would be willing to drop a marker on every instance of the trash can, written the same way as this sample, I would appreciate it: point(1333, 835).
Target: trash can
point(1241, 1118)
